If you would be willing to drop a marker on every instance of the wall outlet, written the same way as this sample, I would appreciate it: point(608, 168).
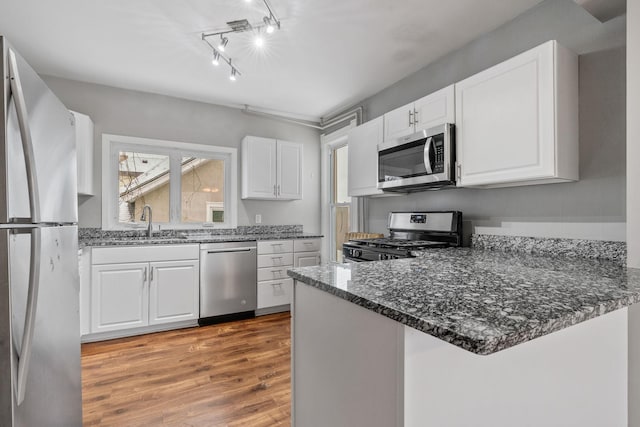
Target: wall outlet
point(258, 219)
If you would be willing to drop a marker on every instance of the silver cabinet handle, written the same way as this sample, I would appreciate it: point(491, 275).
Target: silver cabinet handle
point(30, 316)
point(427, 148)
point(151, 274)
point(25, 134)
point(274, 190)
point(144, 276)
point(410, 118)
point(415, 117)
point(278, 190)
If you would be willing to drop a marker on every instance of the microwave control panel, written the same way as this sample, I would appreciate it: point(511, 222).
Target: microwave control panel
point(437, 161)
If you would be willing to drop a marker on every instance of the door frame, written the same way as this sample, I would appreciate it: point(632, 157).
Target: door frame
point(329, 142)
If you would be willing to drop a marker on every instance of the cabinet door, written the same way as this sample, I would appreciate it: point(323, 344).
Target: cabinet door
point(307, 245)
point(274, 293)
point(289, 180)
point(399, 122)
point(84, 153)
point(435, 109)
point(173, 291)
point(275, 247)
point(505, 121)
point(119, 296)
point(275, 260)
point(258, 168)
point(306, 259)
point(84, 271)
point(363, 158)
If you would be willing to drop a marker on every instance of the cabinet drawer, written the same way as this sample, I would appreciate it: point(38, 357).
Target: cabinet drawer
point(149, 253)
point(306, 259)
point(306, 245)
point(275, 260)
point(277, 273)
point(275, 247)
point(275, 292)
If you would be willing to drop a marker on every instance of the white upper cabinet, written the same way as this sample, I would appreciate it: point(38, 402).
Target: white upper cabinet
point(517, 122)
point(289, 170)
point(84, 153)
point(363, 158)
point(431, 110)
point(271, 169)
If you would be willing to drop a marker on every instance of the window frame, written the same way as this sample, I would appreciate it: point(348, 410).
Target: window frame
point(113, 144)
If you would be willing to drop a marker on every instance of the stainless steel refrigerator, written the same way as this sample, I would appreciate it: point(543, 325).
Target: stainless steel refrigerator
point(39, 304)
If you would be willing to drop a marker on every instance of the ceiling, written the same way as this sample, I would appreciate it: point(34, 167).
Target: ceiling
point(328, 55)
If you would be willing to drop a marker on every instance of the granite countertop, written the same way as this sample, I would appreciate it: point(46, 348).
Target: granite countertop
point(198, 238)
point(482, 301)
point(243, 233)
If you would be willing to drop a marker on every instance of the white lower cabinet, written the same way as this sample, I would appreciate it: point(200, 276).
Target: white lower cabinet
point(173, 291)
point(306, 259)
point(275, 287)
point(275, 293)
point(143, 289)
point(119, 296)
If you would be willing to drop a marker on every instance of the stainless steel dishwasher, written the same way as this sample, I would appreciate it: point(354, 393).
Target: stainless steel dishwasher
point(228, 281)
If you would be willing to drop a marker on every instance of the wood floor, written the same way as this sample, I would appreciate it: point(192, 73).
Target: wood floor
point(232, 374)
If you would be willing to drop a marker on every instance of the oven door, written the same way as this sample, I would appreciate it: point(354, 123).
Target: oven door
point(423, 159)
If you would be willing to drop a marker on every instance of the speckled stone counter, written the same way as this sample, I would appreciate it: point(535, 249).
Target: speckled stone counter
point(482, 301)
point(544, 246)
point(88, 237)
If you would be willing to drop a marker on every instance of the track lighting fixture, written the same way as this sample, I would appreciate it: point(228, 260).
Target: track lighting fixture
point(270, 23)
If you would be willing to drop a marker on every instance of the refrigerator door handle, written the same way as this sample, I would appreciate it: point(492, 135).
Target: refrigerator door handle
point(25, 133)
point(30, 316)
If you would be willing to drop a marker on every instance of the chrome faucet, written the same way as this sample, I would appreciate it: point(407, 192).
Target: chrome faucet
point(144, 218)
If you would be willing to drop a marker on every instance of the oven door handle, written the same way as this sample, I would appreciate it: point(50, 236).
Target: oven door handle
point(427, 149)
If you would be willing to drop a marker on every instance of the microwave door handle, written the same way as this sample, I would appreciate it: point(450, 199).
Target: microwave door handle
point(25, 133)
point(427, 149)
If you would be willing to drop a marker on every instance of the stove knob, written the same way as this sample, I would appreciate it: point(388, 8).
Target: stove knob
point(382, 257)
point(357, 253)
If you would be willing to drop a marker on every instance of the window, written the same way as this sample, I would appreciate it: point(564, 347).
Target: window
point(340, 201)
point(186, 185)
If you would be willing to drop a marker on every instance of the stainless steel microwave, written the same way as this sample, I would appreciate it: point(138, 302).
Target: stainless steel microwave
point(420, 161)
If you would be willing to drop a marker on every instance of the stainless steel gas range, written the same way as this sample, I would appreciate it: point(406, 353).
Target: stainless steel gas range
point(408, 231)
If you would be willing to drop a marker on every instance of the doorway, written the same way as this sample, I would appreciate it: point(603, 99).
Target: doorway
point(339, 210)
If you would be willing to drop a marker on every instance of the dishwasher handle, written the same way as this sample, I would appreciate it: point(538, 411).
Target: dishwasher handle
point(217, 251)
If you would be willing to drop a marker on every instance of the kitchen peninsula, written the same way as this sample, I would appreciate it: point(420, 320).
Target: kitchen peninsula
point(462, 337)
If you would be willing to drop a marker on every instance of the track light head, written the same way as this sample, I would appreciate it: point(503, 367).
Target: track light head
point(216, 58)
point(233, 77)
point(269, 25)
point(223, 43)
point(259, 40)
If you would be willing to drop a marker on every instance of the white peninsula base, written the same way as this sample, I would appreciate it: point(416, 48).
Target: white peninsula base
point(355, 368)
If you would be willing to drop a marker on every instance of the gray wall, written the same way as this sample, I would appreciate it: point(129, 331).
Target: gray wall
point(131, 113)
point(594, 207)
